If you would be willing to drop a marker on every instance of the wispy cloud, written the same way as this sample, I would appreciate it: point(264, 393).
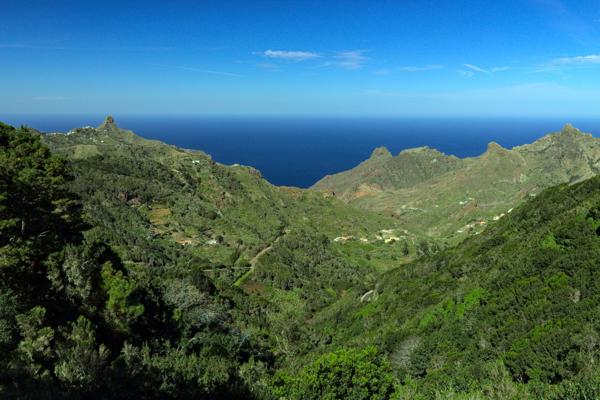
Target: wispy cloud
point(476, 68)
point(577, 60)
point(290, 55)
point(561, 64)
point(192, 69)
point(353, 59)
point(473, 69)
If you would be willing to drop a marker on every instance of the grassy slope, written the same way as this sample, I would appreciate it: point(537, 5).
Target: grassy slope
point(461, 200)
point(384, 172)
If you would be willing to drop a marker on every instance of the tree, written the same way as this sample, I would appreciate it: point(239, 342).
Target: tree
point(37, 212)
point(81, 360)
point(344, 374)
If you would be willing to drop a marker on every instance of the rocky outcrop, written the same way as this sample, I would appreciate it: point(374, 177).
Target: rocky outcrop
point(109, 124)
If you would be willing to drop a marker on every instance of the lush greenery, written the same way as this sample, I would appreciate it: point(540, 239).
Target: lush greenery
point(344, 374)
point(76, 322)
point(514, 309)
point(156, 202)
point(450, 198)
point(138, 269)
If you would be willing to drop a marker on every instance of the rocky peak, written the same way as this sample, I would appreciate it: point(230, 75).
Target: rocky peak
point(109, 124)
point(494, 147)
point(569, 129)
point(569, 137)
point(381, 152)
point(494, 150)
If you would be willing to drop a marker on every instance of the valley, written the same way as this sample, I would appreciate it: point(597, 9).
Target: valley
point(439, 276)
point(300, 200)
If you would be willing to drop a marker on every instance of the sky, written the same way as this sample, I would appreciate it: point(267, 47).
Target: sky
point(346, 57)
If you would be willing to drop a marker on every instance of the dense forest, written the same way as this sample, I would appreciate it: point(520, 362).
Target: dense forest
point(133, 268)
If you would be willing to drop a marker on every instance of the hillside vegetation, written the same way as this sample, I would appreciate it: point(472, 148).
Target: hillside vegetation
point(139, 269)
point(448, 197)
point(513, 310)
point(152, 198)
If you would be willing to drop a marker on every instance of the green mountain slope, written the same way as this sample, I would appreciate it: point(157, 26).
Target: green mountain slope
point(447, 197)
point(382, 172)
point(149, 195)
point(78, 322)
point(518, 304)
point(179, 277)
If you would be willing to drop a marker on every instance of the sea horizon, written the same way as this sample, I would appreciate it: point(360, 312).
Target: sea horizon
point(300, 150)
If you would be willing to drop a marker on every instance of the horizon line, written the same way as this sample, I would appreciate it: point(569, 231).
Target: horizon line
point(293, 115)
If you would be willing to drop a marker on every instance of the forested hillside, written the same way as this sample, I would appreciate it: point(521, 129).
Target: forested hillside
point(139, 269)
point(77, 320)
point(510, 313)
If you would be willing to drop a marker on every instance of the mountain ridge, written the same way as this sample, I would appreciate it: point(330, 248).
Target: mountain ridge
point(224, 214)
point(186, 278)
point(498, 179)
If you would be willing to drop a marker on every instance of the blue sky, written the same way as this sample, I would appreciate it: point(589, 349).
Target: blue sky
point(517, 57)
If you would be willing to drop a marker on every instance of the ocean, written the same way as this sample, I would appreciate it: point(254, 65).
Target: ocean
point(298, 151)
